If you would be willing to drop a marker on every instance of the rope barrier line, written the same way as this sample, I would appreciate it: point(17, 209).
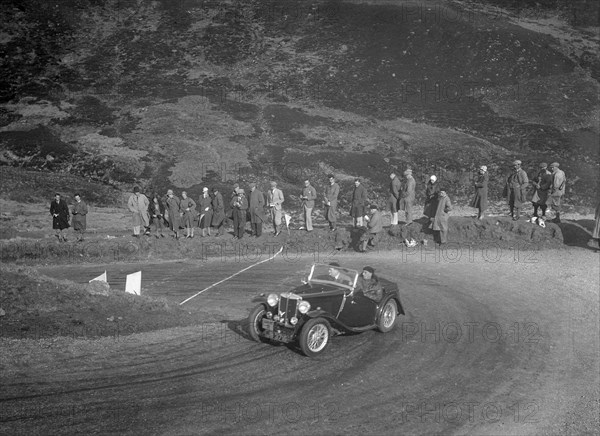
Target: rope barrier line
point(231, 276)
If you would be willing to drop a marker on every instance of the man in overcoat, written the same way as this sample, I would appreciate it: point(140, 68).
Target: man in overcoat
point(80, 211)
point(239, 205)
point(374, 228)
point(395, 186)
point(256, 209)
point(138, 206)
point(205, 211)
point(440, 222)
point(516, 189)
point(541, 184)
point(330, 201)
point(173, 209)
point(188, 211)
point(480, 182)
point(309, 194)
point(218, 207)
point(432, 190)
point(557, 190)
point(358, 206)
point(407, 196)
point(60, 217)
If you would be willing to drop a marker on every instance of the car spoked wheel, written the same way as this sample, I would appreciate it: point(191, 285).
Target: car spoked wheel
point(255, 322)
point(314, 336)
point(387, 319)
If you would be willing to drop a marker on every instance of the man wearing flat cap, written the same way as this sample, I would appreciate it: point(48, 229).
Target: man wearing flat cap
point(358, 207)
point(309, 194)
point(239, 206)
point(218, 212)
point(256, 207)
point(515, 189)
point(330, 201)
point(370, 237)
point(334, 274)
point(138, 205)
point(541, 187)
point(369, 285)
point(407, 197)
point(275, 199)
point(557, 190)
point(395, 187)
point(480, 201)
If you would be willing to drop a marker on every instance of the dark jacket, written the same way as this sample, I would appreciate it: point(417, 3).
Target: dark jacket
point(359, 199)
point(256, 206)
point(61, 210)
point(218, 209)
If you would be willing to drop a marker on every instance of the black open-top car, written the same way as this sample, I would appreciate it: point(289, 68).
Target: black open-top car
point(330, 301)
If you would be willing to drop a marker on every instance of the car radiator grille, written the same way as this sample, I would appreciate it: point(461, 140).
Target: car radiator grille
point(287, 308)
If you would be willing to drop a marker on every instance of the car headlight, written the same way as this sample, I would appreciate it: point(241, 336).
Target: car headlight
point(272, 300)
point(293, 320)
point(303, 307)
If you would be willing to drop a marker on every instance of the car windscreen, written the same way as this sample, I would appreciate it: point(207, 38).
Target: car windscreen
point(333, 274)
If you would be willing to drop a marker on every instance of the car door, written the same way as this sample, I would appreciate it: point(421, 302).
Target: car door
point(358, 310)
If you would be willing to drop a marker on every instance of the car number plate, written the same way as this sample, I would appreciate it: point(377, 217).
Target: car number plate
point(268, 324)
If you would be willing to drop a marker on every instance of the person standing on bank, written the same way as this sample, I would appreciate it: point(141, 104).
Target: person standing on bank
point(370, 237)
point(138, 205)
point(239, 205)
point(515, 189)
point(80, 211)
point(188, 210)
point(395, 186)
point(557, 190)
point(309, 194)
point(275, 199)
point(330, 202)
point(407, 197)
point(358, 206)
point(256, 209)
point(480, 182)
point(173, 206)
point(156, 211)
point(432, 190)
point(205, 206)
point(541, 185)
point(60, 217)
point(440, 222)
point(218, 209)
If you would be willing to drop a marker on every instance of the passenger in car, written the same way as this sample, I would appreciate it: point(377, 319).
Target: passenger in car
point(369, 285)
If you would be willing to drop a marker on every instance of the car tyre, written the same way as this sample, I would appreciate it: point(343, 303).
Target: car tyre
point(255, 322)
point(314, 336)
point(387, 319)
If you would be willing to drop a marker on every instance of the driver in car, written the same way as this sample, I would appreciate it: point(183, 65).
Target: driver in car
point(369, 285)
point(336, 275)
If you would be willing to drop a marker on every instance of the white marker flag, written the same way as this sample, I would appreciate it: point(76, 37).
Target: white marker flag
point(133, 284)
point(100, 278)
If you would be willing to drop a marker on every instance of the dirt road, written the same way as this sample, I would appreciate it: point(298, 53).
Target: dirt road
point(489, 345)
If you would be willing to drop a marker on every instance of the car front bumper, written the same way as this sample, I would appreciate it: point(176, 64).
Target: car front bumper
point(277, 332)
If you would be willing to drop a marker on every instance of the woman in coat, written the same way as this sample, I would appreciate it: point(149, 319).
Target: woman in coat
point(480, 201)
point(440, 222)
point(218, 207)
point(205, 210)
point(60, 217)
point(188, 214)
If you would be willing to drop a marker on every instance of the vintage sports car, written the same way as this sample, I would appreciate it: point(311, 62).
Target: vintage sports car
point(328, 302)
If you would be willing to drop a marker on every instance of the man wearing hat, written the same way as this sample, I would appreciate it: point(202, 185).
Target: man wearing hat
point(480, 182)
point(557, 190)
point(188, 214)
point(370, 237)
point(395, 186)
point(309, 194)
point(138, 205)
point(218, 212)
point(60, 217)
point(256, 207)
point(173, 205)
point(515, 189)
point(334, 274)
point(541, 185)
point(407, 197)
point(239, 205)
point(358, 207)
point(330, 201)
point(275, 199)
point(440, 222)
point(205, 209)
point(368, 284)
point(431, 192)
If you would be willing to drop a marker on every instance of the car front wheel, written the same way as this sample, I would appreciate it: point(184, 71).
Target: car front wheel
point(255, 322)
point(387, 319)
point(314, 336)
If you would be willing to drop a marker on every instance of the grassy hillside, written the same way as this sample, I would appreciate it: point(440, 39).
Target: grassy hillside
point(188, 93)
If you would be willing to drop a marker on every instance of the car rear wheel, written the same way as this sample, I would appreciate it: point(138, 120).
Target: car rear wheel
point(255, 322)
point(314, 336)
point(387, 319)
